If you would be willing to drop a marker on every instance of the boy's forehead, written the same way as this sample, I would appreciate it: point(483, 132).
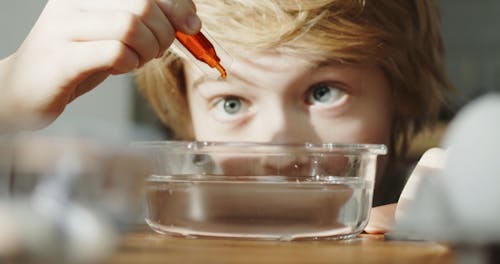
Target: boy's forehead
point(279, 61)
point(251, 67)
point(273, 61)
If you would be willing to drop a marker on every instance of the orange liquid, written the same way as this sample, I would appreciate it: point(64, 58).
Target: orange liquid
point(202, 49)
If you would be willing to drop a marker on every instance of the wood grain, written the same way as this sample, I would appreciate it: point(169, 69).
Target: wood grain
point(145, 246)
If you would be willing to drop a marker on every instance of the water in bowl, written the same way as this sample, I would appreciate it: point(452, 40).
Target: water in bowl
point(259, 207)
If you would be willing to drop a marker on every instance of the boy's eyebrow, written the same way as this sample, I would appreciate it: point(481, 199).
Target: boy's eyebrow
point(328, 62)
point(230, 78)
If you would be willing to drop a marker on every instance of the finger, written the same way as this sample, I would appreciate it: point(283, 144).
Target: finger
point(381, 219)
point(96, 56)
point(121, 26)
point(160, 26)
point(92, 62)
point(146, 10)
point(182, 15)
point(431, 162)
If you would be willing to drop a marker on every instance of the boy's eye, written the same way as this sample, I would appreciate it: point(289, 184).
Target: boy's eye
point(325, 93)
point(231, 105)
point(230, 108)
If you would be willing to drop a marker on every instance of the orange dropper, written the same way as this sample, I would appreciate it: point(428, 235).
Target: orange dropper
point(202, 49)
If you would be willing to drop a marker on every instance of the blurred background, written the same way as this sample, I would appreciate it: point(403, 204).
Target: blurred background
point(469, 30)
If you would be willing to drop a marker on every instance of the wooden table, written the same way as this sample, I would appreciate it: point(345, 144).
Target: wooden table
point(145, 246)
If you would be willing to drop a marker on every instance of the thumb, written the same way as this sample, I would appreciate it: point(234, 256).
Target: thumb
point(431, 162)
point(88, 84)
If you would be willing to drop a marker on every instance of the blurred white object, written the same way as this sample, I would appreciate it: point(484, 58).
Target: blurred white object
point(68, 199)
point(461, 204)
point(75, 235)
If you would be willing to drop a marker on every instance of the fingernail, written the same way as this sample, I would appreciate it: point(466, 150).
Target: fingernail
point(193, 23)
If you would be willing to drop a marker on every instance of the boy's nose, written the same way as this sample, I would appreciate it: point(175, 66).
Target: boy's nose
point(287, 126)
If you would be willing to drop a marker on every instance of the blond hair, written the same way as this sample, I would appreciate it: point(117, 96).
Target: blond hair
point(401, 36)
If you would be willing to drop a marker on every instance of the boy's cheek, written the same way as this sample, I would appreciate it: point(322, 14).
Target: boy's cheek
point(355, 131)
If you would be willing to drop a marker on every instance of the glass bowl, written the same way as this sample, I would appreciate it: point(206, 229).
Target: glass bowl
point(260, 190)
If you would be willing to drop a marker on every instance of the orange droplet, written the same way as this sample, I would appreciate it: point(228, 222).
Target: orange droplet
point(223, 73)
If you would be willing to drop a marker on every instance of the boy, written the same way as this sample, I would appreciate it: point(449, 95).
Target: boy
point(311, 71)
point(303, 71)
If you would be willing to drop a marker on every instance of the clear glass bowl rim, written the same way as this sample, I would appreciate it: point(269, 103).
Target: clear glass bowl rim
point(178, 146)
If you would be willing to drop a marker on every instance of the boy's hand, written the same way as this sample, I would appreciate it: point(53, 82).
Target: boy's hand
point(383, 218)
point(76, 44)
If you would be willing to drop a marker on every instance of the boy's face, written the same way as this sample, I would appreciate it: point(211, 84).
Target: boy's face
point(286, 99)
